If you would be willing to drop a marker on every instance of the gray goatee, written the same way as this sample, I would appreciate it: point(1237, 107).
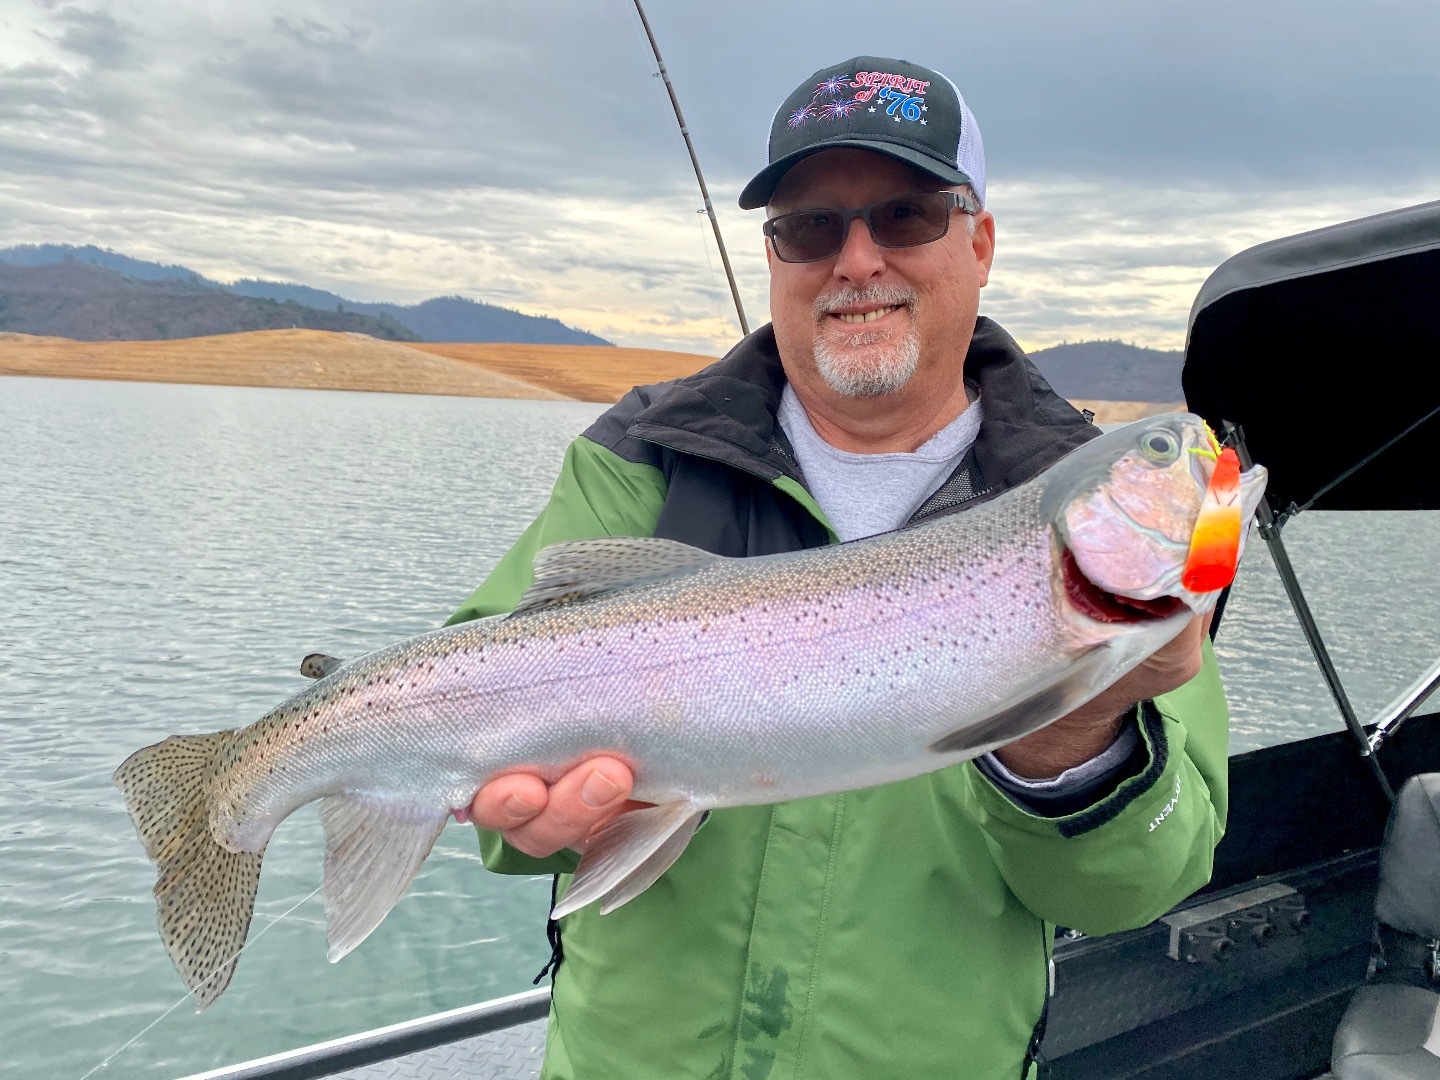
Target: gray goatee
point(868, 363)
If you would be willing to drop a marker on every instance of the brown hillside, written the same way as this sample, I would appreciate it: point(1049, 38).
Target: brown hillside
point(586, 372)
point(303, 359)
point(320, 360)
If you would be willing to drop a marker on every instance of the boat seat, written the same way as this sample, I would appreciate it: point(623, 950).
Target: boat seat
point(1391, 1029)
point(1389, 1032)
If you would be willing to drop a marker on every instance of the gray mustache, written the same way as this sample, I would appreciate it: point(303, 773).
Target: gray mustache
point(886, 295)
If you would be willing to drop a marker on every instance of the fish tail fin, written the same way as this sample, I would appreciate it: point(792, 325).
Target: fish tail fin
point(204, 894)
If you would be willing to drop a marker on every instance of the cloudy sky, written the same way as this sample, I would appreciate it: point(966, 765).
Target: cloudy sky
point(523, 154)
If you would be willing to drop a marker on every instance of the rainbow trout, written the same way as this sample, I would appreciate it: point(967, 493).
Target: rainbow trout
point(724, 682)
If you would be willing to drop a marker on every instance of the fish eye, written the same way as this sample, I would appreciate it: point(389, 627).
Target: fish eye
point(1160, 446)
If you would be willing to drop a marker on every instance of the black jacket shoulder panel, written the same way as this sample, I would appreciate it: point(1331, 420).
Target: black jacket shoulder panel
point(716, 437)
point(725, 412)
point(611, 428)
point(720, 509)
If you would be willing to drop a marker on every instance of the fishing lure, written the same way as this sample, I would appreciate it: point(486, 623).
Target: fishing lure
point(1215, 544)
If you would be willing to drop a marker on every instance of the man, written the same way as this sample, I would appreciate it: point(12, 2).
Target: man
point(903, 930)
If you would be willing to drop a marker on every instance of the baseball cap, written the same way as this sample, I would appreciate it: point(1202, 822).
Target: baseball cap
point(892, 107)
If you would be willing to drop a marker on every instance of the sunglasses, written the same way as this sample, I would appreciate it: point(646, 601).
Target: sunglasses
point(904, 221)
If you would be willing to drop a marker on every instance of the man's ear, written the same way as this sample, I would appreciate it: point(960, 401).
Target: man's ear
point(769, 254)
point(982, 242)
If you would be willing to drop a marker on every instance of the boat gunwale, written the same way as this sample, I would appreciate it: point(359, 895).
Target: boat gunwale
point(392, 1041)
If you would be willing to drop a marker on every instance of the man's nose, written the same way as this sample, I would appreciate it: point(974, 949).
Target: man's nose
point(860, 258)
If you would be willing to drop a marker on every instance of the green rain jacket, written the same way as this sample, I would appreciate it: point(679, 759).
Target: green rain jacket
point(901, 931)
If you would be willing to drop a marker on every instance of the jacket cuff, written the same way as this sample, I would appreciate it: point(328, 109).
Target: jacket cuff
point(1144, 770)
point(500, 858)
point(1078, 788)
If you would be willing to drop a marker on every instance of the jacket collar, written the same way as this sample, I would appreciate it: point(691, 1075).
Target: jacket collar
point(727, 412)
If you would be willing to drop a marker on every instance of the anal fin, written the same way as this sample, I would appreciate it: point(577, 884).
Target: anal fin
point(373, 850)
point(1032, 708)
point(628, 855)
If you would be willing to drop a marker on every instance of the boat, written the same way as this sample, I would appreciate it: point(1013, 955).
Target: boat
point(1249, 978)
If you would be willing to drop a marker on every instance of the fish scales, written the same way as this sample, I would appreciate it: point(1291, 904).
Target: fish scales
point(715, 654)
point(724, 682)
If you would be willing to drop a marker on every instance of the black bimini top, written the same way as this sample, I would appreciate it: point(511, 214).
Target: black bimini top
point(1325, 347)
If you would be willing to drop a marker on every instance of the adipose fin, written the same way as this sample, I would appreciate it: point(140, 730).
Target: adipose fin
point(317, 665)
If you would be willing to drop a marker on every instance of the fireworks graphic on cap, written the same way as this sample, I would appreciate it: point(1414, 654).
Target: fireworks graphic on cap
point(831, 86)
point(799, 116)
point(836, 110)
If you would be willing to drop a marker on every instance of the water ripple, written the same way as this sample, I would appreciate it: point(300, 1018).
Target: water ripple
point(167, 556)
point(169, 553)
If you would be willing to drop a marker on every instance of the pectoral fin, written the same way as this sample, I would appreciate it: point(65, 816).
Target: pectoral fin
point(1033, 707)
point(373, 850)
point(628, 855)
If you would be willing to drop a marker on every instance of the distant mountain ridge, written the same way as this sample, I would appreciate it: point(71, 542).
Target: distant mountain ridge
point(447, 318)
point(86, 302)
point(44, 254)
point(1111, 371)
point(196, 305)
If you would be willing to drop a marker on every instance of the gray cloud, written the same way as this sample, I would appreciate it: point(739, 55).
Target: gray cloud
point(94, 35)
point(558, 94)
point(523, 153)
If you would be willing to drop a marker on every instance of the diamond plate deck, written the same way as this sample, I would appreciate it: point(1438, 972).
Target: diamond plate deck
point(510, 1054)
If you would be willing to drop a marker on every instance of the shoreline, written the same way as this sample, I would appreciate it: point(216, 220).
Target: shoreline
point(325, 360)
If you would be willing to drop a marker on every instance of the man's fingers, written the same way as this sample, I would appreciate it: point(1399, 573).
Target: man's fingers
point(509, 801)
point(578, 802)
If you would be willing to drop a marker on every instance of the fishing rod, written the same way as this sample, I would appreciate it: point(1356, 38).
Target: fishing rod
point(695, 162)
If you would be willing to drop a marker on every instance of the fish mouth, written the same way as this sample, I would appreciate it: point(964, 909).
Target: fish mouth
point(1106, 607)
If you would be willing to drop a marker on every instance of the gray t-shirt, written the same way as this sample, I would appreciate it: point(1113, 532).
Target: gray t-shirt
point(865, 494)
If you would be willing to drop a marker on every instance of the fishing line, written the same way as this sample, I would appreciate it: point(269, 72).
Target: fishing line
point(148, 1027)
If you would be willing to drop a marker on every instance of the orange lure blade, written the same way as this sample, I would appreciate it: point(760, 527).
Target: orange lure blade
point(1215, 544)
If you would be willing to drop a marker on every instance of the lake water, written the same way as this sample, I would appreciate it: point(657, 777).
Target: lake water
point(169, 553)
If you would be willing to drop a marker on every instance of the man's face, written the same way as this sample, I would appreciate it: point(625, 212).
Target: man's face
point(869, 320)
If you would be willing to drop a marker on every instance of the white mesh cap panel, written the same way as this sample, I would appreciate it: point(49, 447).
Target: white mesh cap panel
point(970, 154)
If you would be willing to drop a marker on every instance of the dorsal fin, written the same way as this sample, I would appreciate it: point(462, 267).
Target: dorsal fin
point(581, 569)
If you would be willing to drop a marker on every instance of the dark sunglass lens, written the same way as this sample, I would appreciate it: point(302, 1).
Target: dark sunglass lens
point(911, 220)
point(807, 236)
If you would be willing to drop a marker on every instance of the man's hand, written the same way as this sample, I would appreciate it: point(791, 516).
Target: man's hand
point(1089, 730)
point(541, 819)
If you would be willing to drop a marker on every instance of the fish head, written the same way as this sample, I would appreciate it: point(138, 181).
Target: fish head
point(1149, 520)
